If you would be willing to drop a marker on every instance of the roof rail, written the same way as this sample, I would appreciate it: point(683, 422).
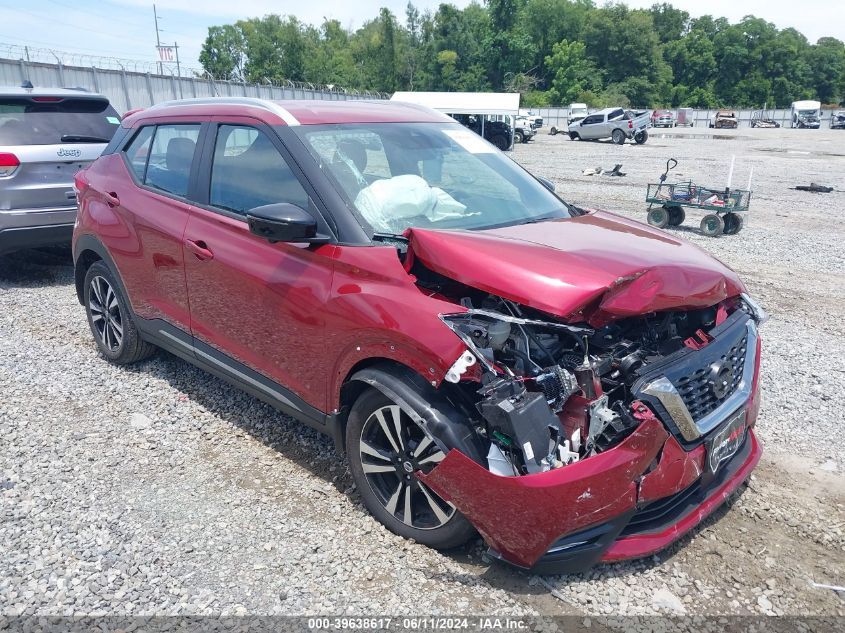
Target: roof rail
point(265, 104)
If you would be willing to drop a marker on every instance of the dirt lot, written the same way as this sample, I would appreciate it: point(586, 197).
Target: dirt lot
point(159, 490)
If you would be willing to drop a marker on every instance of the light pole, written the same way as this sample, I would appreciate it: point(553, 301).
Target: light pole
point(158, 40)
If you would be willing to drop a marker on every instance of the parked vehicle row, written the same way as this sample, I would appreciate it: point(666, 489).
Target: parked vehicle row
point(803, 114)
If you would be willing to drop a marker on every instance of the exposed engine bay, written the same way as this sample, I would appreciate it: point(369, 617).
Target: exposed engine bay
point(550, 393)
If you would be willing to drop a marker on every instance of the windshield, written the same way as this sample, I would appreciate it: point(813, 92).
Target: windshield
point(807, 112)
point(427, 175)
point(55, 120)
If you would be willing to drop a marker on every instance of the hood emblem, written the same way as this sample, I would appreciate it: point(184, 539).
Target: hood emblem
point(721, 377)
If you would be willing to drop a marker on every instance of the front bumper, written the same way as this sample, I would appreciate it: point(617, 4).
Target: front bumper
point(521, 518)
point(627, 502)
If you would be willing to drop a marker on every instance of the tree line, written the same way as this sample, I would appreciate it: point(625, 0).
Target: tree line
point(551, 51)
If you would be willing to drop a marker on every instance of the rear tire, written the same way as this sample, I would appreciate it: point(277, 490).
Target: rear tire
point(110, 318)
point(500, 141)
point(553, 131)
point(712, 225)
point(733, 223)
point(658, 217)
point(617, 136)
point(385, 487)
point(676, 215)
point(641, 137)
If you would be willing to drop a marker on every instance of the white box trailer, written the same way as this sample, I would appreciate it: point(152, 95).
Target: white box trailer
point(476, 110)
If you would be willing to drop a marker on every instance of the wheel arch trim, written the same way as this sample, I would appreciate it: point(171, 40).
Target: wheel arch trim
point(448, 427)
point(88, 242)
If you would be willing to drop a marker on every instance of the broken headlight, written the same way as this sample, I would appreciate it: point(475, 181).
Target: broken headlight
point(754, 309)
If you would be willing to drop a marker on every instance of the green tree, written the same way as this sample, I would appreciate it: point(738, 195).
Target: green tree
point(625, 46)
point(826, 63)
point(223, 52)
point(548, 50)
point(669, 23)
point(572, 72)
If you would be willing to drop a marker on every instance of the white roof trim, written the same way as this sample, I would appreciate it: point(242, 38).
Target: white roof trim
point(464, 102)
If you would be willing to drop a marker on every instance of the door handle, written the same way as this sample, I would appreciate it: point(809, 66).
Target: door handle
point(111, 199)
point(199, 249)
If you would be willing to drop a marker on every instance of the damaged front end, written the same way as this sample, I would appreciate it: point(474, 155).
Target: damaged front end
point(588, 429)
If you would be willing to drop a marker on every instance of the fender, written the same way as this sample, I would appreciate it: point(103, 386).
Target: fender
point(88, 242)
point(430, 408)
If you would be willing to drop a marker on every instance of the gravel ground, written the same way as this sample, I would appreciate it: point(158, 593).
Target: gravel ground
point(158, 489)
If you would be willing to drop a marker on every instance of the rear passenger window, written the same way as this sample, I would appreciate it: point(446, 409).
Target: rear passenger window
point(248, 172)
point(170, 159)
point(138, 151)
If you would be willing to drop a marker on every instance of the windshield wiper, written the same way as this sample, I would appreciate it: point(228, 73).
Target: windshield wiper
point(389, 237)
point(83, 138)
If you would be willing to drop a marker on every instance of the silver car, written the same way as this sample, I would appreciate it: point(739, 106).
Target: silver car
point(46, 136)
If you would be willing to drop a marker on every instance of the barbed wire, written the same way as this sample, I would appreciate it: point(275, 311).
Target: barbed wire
point(36, 55)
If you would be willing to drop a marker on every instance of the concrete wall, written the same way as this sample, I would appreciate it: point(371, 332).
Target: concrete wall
point(129, 89)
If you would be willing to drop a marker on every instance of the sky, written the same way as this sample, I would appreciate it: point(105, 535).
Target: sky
point(125, 28)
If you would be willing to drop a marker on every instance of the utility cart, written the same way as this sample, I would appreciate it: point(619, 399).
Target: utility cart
point(724, 207)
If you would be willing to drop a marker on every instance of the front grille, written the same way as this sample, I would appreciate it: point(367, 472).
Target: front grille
point(695, 388)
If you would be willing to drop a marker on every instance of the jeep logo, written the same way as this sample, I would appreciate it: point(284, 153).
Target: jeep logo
point(68, 153)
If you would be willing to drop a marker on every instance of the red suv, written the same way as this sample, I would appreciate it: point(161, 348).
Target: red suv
point(573, 385)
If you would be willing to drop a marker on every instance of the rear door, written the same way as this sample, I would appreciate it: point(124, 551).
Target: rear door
point(142, 210)
point(51, 137)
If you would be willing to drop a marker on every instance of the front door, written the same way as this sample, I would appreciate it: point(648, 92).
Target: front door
point(257, 303)
point(592, 127)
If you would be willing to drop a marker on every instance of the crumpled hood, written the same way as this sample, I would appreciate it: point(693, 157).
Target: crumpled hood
point(596, 267)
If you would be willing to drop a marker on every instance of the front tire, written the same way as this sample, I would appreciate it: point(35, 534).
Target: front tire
point(519, 137)
point(500, 142)
point(553, 131)
point(110, 318)
point(386, 448)
point(574, 136)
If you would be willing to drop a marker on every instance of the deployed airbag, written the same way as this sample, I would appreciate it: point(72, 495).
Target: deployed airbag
point(387, 204)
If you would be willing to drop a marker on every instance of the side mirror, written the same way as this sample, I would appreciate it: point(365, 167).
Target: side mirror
point(548, 184)
point(283, 222)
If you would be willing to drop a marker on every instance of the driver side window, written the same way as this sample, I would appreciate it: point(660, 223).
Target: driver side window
point(248, 171)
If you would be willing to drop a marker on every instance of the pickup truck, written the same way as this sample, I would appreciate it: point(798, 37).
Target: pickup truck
point(616, 124)
point(523, 130)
